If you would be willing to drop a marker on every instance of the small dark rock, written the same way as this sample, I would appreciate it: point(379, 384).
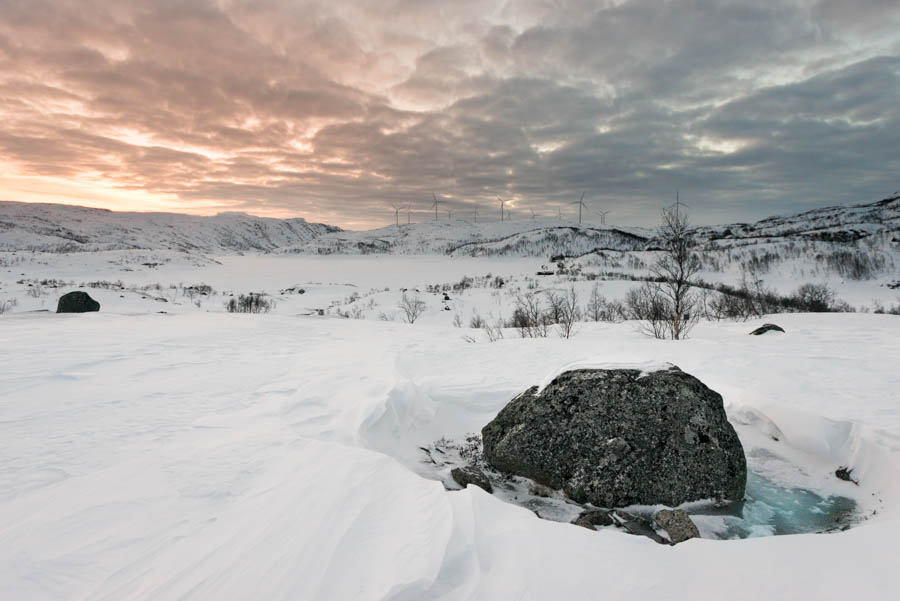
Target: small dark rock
point(845, 473)
point(77, 302)
point(471, 475)
point(766, 327)
point(589, 518)
point(677, 524)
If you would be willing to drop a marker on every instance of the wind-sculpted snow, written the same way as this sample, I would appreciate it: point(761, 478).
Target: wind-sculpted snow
point(62, 228)
point(214, 456)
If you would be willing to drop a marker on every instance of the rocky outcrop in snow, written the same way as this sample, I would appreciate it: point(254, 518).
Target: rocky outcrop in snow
point(77, 302)
point(766, 327)
point(617, 437)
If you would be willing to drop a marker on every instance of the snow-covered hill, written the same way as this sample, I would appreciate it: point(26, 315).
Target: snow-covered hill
point(63, 228)
point(531, 238)
point(844, 224)
point(59, 228)
point(546, 237)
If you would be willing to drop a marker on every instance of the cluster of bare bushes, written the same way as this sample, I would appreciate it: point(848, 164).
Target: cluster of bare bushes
point(250, 303)
point(537, 314)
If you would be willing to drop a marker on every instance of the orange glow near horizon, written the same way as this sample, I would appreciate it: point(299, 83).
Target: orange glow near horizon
point(99, 194)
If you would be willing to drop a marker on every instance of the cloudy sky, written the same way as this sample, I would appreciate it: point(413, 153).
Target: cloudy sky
point(335, 110)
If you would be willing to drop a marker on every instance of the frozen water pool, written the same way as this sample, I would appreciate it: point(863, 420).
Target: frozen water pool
point(770, 508)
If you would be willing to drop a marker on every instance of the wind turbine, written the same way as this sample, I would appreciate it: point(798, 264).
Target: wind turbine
point(532, 214)
point(602, 216)
point(476, 214)
point(580, 204)
point(502, 202)
point(678, 204)
point(559, 213)
point(396, 214)
point(408, 205)
point(449, 214)
point(435, 205)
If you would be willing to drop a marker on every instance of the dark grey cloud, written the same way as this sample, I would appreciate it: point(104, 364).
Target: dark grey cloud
point(334, 111)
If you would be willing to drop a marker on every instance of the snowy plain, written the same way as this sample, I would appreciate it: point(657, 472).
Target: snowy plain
point(196, 454)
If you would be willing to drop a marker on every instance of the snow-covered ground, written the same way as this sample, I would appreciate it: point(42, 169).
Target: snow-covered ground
point(218, 456)
point(367, 287)
point(166, 449)
point(205, 455)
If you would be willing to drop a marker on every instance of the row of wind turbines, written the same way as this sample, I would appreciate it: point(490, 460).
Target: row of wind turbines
point(505, 214)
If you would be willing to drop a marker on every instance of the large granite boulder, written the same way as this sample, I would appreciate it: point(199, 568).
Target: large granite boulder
point(616, 437)
point(77, 302)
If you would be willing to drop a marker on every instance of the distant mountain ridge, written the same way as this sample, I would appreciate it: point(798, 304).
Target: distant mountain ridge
point(829, 224)
point(63, 228)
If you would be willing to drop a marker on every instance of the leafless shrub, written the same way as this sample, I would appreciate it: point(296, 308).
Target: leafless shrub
point(555, 306)
point(412, 307)
point(493, 333)
point(600, 309)
point(569, 313)
point(647, 305)
point(529, 318)
point(667, 304)
point(7, 305)
point(814, 298)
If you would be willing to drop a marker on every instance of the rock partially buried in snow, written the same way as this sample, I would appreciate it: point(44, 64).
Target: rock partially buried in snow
point(471, 475)
point(766, 327)
point(590, 518)
point(677, 524)
point(617, 437)
point(77, 302)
